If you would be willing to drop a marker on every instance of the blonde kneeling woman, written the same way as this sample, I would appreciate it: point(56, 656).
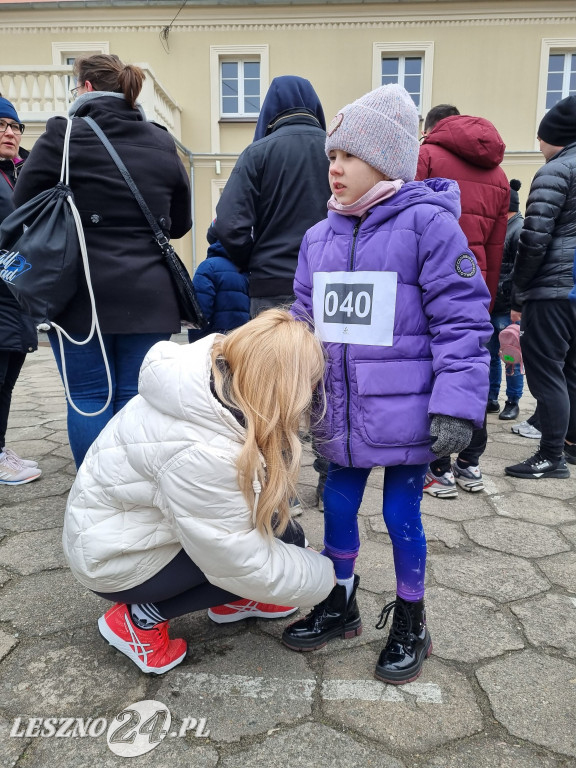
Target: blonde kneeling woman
point(182, 503)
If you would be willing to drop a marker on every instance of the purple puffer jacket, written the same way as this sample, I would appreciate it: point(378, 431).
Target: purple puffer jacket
point(379, 398)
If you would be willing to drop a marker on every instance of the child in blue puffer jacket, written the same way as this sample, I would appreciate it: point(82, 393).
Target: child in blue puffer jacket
point(222, 292)
point(396, 296)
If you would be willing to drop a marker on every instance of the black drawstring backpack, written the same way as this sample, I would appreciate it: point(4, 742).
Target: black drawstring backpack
point(42, 247)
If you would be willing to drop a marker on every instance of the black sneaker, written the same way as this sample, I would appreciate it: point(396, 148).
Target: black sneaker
point(510, 411)
point(493, 406)
point(538, 466)
point(570, 453)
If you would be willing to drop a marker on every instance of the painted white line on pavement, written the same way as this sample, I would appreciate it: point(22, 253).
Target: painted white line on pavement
point(372, 690)
point(497, 501)
point(203, 684)
point(490, 486)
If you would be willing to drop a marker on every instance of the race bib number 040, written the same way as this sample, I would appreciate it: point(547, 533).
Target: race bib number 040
point(355, 307)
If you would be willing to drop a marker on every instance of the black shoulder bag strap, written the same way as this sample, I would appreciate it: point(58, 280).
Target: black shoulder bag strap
point(161, 238)
point(188, 305)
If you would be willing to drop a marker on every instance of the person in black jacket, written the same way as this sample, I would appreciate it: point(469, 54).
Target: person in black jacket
point(135, 300)
point(277, 190)
point(542, 283)
point(500, 317)
point(17, 330)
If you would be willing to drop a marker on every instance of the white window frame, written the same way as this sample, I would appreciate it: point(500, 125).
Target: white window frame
point(62, 51)
point(241, 82)
point(223, 52)
point(425, 49)
point(216, 187)
point(549, 45)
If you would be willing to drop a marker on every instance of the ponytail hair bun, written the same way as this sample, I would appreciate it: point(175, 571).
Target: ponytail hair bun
point(106, 72)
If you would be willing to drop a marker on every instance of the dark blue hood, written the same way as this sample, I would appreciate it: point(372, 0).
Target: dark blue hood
point(217, 249)
point(288, 93)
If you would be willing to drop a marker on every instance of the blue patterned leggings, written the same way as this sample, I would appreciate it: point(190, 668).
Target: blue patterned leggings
point(402, 494)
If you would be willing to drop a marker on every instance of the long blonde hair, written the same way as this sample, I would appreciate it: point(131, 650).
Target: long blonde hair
point(272, 366)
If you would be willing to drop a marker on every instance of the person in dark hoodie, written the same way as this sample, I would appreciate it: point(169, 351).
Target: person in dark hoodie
point(469, 150)
point(277, 190)
point(17, 330)
point(222, 292)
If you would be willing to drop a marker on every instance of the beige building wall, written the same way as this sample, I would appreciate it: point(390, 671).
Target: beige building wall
point(486, 57)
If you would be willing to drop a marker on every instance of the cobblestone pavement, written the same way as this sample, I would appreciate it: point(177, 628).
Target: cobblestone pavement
point(499, 690)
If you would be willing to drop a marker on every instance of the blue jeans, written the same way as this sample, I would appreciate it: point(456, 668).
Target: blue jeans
point(514, 380)
point(89, 386)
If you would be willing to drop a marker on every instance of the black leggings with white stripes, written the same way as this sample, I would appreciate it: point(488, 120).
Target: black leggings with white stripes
point(181, 587)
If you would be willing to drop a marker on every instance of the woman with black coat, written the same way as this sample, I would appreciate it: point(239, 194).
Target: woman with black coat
point(17, 330)
point(135, 300)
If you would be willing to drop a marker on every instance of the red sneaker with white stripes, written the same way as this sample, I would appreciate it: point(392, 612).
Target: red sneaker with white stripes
point(247, 609)
point(150, 649)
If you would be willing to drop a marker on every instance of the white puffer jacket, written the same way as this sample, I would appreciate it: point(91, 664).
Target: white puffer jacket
point(161, 477)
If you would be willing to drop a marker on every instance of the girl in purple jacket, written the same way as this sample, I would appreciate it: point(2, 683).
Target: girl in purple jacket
point(396, 296)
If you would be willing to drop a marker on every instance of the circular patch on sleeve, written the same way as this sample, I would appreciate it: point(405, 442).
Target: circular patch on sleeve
point(466, 265)
point(335, 124)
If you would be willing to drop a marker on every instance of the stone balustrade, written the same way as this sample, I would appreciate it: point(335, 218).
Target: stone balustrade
point(42, 91)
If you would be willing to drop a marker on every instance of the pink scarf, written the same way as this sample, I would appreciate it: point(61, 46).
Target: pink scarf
point(379, 192)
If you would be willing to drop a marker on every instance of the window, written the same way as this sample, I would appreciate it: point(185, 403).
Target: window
point(561, 77)
point(557, 76)
point(238, 83)
point(239, 88)
point(410, 65)
point(407, 71)
point(66, 53)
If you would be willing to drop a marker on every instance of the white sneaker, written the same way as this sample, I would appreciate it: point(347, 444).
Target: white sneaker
point(525, 429)
point(13, 472)
point(441, 486)
point(469, 478)
point(24, 462)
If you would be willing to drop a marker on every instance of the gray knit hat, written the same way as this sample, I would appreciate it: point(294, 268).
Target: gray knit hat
point(380, 128)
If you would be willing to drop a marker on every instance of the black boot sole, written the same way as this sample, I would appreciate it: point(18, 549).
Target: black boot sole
point(508, 416)
point(406, 675)
point(314, 644)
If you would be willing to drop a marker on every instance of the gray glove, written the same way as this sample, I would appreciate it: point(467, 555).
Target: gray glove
point(449, 434)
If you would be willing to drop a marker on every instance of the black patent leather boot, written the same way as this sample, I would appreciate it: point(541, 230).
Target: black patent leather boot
point(409, 642)
point(333, 617)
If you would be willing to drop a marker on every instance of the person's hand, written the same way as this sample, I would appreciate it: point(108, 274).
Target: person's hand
point(449, 434)
point(515, 317)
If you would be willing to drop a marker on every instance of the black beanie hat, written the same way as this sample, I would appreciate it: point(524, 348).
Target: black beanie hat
point(558, 126)
point(515, 185)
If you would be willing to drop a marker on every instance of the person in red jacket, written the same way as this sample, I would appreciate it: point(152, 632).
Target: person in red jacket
point(469, 150)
